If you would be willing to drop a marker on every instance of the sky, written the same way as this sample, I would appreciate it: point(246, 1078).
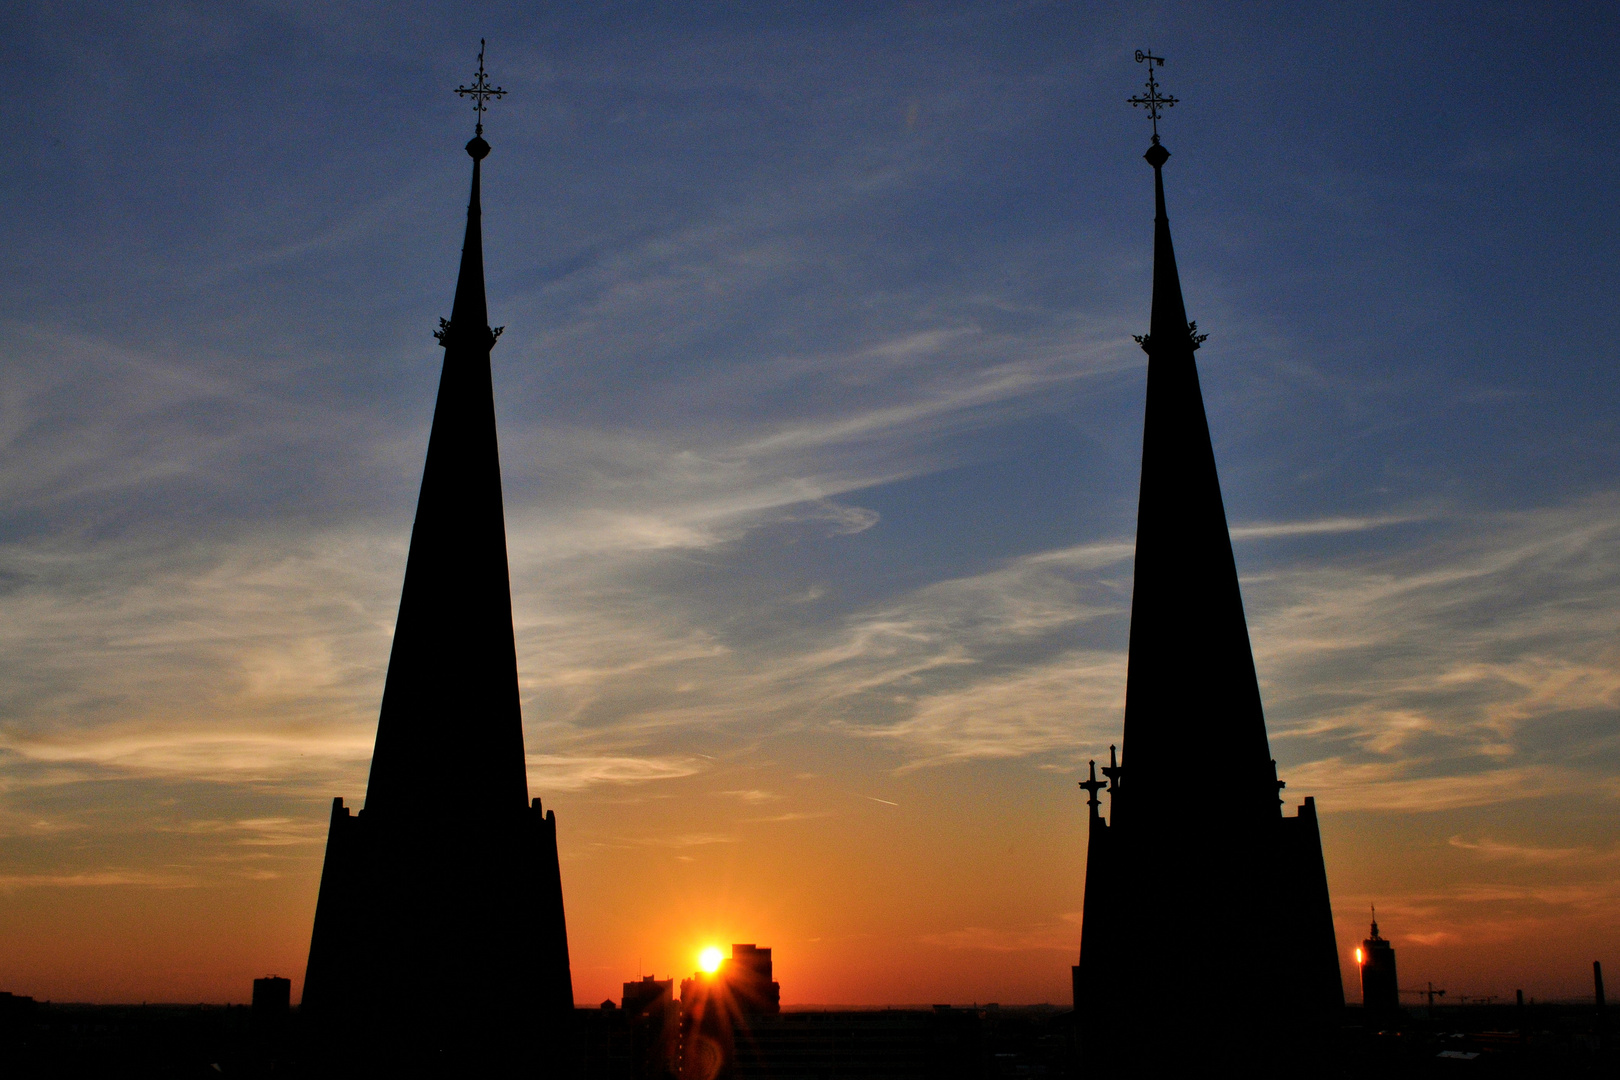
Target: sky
point(820, 424)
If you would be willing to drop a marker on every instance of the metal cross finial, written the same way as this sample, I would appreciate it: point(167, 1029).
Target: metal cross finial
point(1152, 100)
point(480, 91)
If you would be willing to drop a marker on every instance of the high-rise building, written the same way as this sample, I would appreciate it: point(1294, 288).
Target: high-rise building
point(272, 996)
point(1380, 991)
point(647, 993)
point(1207, 928)
point(653, 1017)
point(439, 936)
point(716, 1007)
point(747, 973)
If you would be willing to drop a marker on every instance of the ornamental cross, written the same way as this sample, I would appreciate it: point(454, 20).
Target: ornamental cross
point(1152, 100)
point(480, 91)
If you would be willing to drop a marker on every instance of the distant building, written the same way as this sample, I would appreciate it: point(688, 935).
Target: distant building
point(1380, 993)
point(654, 1020)
point(272, 996)
point(715, 1008)
point(645, 993)
point(1197, 885)
point(748, 974)
point(15, 1010)
point(707, 1028)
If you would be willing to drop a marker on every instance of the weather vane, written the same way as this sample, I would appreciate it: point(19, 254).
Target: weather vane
point(1152, 100)
point(480, 91)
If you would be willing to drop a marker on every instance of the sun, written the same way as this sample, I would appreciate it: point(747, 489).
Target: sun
point(709, 959)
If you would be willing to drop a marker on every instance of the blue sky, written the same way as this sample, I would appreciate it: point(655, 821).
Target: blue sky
point(820, 426)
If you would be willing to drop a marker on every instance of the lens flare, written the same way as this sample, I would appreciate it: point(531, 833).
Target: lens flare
point(709, 959)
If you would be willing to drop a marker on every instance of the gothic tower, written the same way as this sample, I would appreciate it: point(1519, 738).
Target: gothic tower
point(439, 941)
point(1207, 927)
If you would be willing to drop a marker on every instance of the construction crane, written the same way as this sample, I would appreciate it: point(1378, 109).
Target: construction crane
point(1431, 993)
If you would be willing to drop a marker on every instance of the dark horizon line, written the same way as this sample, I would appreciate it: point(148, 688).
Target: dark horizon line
point(1461, 1001)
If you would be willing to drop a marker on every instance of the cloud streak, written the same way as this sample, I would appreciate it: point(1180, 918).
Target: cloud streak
point(1435, 677)
point(100, 879)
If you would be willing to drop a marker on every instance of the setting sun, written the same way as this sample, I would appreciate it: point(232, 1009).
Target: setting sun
point(709, 959)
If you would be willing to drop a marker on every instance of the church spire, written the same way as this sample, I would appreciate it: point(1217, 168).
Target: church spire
point(440, 946)
point(1193, 720)
point(451, 727)
point(1196, 838)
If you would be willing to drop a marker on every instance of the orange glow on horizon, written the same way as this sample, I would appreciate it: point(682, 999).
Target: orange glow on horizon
point(709, 959)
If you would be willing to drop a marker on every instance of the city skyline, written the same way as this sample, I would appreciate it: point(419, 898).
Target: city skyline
point(820, 419)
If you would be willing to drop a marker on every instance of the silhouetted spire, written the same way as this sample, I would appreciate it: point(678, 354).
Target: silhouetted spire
point(1193, 721)
point(451, 728)
point(1196, 840)
point(469, 314)
point(440, 945)
point(470, 310)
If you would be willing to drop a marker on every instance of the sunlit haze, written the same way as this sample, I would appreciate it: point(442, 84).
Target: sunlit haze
point(820, 424)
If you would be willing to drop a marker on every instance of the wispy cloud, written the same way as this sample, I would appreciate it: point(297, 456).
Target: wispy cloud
point(1063, 705)
point(1429, 783)
point(1319, 527)
point(1498, 851)
point(556, 772)
point(686, 840)
point(1052, 937)
point(1471, 914)
point(197, 755)
point(1425, 677)
point(1477, 664)
point(98, 879)
point(792, 815)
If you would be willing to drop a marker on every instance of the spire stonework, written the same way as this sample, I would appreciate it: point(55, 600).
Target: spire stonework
point(1091, 786)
